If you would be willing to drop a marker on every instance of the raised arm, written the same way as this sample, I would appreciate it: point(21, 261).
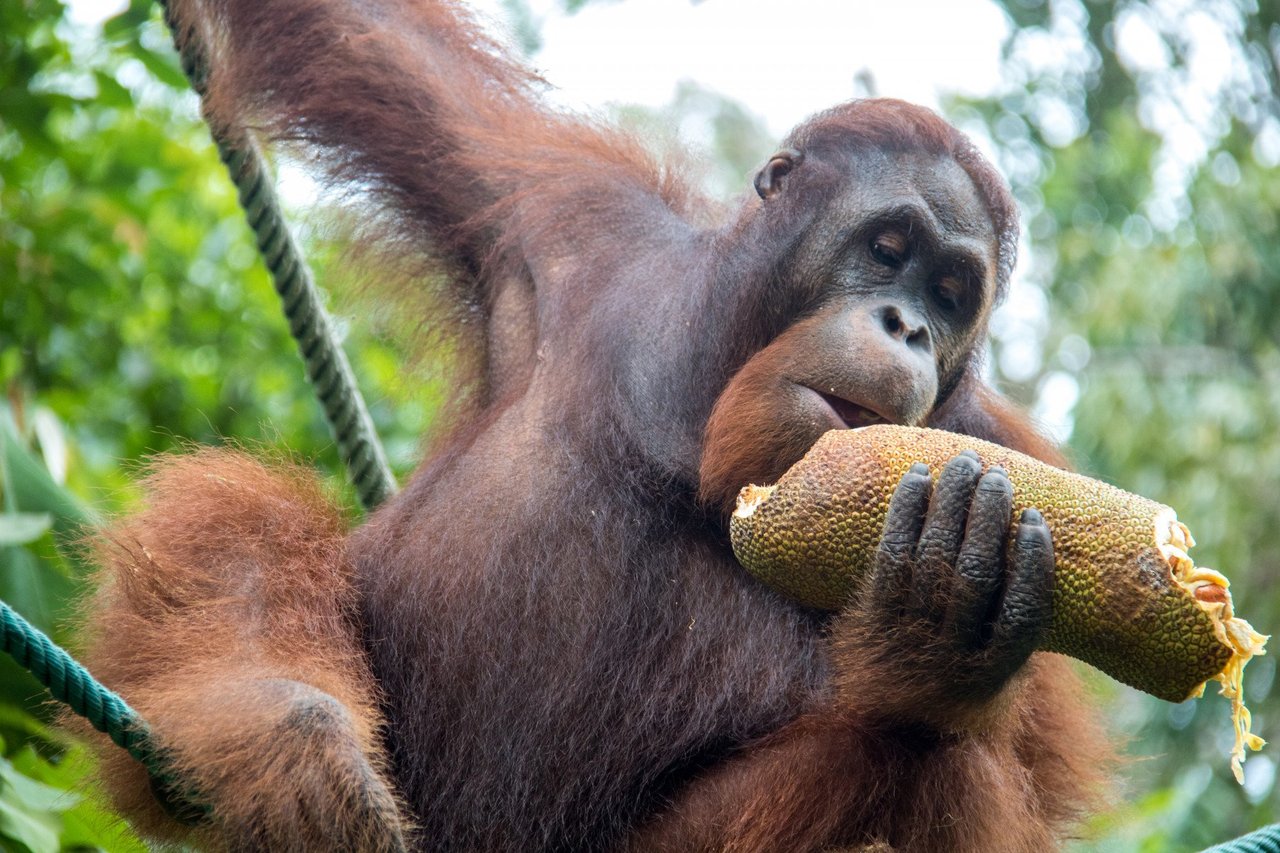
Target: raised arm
point(415, 106)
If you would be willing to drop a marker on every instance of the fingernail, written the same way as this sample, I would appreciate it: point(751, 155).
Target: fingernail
point(919, 468)
point(1031, 516)
point(998, 469)
point(972, 454)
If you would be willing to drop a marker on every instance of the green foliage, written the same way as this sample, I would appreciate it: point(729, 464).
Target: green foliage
point(135, 316)
point(41, 771)
point(133, 297)
point(1154, 241)
point(41, 807)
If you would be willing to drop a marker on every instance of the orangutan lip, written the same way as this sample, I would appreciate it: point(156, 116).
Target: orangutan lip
point(851, 413)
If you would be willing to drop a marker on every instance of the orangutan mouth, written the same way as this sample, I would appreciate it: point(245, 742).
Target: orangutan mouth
point(852, 414)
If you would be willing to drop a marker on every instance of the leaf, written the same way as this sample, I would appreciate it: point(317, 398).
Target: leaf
point(28, 589)
point(21, 727)
point(24, 696)
point(52, 439)
point(111, 93)
point(87, 824)
point(30, 488)
point(37, 832)
point(128, 22)
point(164, 67)
point(19, 528)
point(34, 795)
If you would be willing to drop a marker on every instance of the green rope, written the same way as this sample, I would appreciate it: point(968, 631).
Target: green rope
point(344, 407)
point(1265, 840)
point(330, 373)
point(71, 683)
point(326, 364)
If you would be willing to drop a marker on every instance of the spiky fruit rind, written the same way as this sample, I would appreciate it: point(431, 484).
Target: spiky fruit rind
point(1116, 603)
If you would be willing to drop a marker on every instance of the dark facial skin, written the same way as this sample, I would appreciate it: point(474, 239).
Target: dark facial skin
point(543, 642)
point(896, 277)
point(892, 280)
point(903, 266)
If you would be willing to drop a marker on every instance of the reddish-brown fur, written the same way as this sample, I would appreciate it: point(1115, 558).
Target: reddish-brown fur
point(544, 641)
point(234, 576)
point(1007, 786)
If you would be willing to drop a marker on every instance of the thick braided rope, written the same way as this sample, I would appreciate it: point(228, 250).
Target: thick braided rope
point(71, 683)
point(330, 374)
point(1265, 840)
point(326, 364)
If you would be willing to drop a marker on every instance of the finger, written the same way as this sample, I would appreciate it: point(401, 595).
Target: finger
point(1028, 598)
point(980, 566)
point(943, 532)
point(903, 523)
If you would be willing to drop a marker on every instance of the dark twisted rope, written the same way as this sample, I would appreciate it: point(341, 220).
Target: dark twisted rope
point(71, 683)
point(326, 364)
point(344, 408)
point(1265, 840)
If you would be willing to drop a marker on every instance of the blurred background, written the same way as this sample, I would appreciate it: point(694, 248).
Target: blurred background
point(1141, 138)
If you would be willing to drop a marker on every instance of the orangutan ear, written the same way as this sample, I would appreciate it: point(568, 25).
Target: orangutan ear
point(768, 182)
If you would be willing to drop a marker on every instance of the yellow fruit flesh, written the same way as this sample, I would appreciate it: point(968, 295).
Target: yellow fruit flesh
point(1209, 589)
point(1127, 598)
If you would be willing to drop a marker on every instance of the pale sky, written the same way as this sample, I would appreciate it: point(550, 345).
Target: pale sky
point(783, 60)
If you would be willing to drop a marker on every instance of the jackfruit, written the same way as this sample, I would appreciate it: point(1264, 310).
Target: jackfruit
point(1127, 599)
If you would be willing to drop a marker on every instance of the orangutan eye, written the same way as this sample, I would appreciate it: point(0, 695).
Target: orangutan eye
point(948, 292)
point(889, 249)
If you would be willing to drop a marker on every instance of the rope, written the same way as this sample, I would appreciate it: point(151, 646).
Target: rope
point(327, 367)
point(344, 408)
point(1265, 840)
point(71, 683)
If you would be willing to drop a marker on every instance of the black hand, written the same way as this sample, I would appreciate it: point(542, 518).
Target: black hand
point(962, 613)
point(938, 552)
point(1028, 599)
